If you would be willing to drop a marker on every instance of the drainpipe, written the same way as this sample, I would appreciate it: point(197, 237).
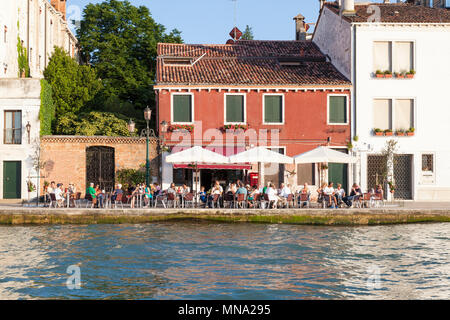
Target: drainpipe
point(356, 167)
point(28, 33)
point(45, 36)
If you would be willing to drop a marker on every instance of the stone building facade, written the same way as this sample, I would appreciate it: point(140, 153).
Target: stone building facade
point(81, 160)
point(40, 25)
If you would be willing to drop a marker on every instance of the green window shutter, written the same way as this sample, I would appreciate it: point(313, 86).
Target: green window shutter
point(235, 109)
point(182, 108)
point(273, 110)
point(337, 112)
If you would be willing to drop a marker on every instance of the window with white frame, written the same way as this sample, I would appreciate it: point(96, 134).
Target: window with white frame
point(394, 114)
point(337, 109)
point(394, 56)
point(182, 109)
point(235, 108)
point(12, 127)
point(273, 112)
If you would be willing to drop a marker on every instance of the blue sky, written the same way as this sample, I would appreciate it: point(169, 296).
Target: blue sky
point(210, 21)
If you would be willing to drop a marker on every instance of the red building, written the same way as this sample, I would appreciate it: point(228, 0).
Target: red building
point(284, 94)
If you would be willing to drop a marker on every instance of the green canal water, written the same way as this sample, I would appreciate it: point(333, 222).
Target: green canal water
point(187, 260)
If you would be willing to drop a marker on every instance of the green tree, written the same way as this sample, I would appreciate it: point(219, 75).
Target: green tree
point(120, 41)
point(73, 85)
point(92, 124)
point(248, 33)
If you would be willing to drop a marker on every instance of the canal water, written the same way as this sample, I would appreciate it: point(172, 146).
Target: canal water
point(188, 260)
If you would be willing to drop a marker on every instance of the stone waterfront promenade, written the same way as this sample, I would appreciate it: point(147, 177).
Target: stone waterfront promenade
point(391, 214)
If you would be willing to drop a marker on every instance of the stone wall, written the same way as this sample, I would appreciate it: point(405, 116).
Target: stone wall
point(65, 157)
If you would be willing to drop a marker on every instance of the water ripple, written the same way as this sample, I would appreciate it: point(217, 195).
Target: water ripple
point(226, 261)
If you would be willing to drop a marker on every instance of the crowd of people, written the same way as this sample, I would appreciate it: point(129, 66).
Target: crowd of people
point(143, 195)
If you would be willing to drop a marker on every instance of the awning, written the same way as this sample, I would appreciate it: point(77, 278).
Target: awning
point(214, 166)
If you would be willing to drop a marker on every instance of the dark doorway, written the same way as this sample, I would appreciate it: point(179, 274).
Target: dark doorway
point(100, 167)
point(338, 172)
point(208, 177)
point(12, 179)
point(403, 176)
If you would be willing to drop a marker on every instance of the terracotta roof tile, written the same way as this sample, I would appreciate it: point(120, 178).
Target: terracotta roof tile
point(247, 62)
point(397, 13)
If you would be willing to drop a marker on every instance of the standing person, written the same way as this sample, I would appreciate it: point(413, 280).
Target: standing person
point(355, 193)
point(72, 190)
point(100, 196)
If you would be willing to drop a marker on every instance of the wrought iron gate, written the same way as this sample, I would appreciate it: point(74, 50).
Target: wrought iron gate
point(376, 171)
point(100, 167)
point(376, 168)
point(403, 176)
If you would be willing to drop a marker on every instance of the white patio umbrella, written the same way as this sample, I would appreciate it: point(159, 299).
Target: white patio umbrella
point(196, 155)
point(324, 155)
point(260, 155)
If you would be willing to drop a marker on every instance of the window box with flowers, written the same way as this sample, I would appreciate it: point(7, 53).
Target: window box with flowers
point(400, 75)
point(181, 127)
point(378, 132)
point(379, 74)
point(410, 74)
point(234, 127)
point(400, 132)
point(410, 132)
point(388, 132)
point(388, 74)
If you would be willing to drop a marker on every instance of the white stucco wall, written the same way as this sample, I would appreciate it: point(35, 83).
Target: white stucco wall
point(23, 95)
point(429, 88)
point(333, 36)
point(46, 30)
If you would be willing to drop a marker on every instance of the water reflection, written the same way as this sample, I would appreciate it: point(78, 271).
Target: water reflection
point(225, 261)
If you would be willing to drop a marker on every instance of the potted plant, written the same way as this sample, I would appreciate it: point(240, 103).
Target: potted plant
point(411, 74)
point(400, 75)
point(410, 132)
point(388, 132)
point(388, 74)
point(400, 132)
point(391, 187)
point(378, 131)
point(379, 74)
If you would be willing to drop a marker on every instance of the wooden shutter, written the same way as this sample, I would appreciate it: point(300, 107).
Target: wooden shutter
point(234, 108)
point(337, 109)
point(182, 108)
point(273, 109)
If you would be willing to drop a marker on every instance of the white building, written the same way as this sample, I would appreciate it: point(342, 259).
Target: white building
point(363, 38)
point(39, 26)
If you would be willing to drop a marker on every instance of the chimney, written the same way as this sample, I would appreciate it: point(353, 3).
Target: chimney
point(322, 3)
point(60, 6)
point(348, 7)
point(300, 27)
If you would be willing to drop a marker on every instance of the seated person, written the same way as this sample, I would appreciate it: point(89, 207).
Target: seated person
point(202, 194)
point(355, 193)
point(339, 193)
point(117, 191)
point(304, 191)
point(92, 193)
point(329, 193)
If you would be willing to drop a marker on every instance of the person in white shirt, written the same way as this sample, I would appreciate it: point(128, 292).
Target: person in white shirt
point(339, 193)
point(59, 194)
point(272, 194)
point(329, 194)
point(284, 191)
